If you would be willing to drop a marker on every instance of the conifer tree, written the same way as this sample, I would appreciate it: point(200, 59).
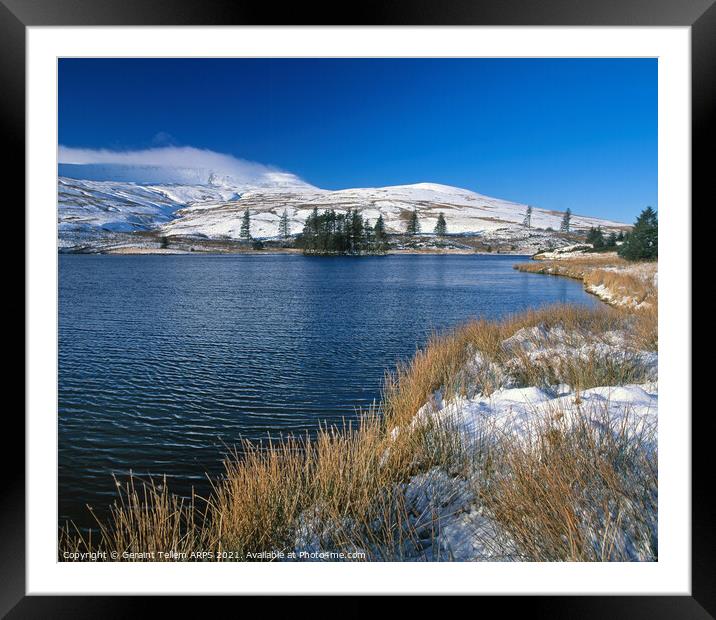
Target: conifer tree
point(528, 218)
point(642, 243)
point(566, 221)
point(246, 226)
point(284, 228)
point(595, 236)
point(413, 225)
point(368, 235)
point(340, 233)
point(379, 234)
point(379, 229)
point(441, 225)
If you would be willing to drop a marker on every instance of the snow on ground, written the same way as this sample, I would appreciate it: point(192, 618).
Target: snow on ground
point(575, 250)
point(446, 518)
point(465, 531)
point(620, 295)
point(214, 209)
point(516, 412)
point(86, 206)
point(576, 262)
point(465, 211)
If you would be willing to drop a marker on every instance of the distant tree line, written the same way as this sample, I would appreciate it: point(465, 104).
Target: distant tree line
point(341, 233)
point(641, 243)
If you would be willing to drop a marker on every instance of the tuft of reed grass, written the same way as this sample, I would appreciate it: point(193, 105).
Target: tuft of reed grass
point(576, 490)
point(145, 519)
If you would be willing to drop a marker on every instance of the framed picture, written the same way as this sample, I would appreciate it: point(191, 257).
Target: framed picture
point(359, 308)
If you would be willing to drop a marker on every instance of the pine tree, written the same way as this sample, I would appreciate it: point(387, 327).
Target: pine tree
point(379, 229)
point(413, 226)
point(379, 234)
point(642, 243)
point(246, 226)
point(441, 225)
point(566, 221)
point(595, 236)
point(284, 228)
point(528, 218)
point(611, 241)
point(367, 235)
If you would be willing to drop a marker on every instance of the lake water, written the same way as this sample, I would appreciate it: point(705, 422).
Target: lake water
point(165, 360)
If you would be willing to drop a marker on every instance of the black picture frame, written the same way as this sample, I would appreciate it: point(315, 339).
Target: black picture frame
point(700, 15)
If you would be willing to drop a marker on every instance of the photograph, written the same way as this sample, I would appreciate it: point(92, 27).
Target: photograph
point(340, 309)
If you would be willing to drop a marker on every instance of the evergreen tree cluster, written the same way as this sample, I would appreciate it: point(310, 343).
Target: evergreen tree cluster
point(642, 242)
point(342, 233)
point(599, 241)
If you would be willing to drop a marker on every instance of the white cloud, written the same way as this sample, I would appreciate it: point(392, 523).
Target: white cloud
point(166, 157)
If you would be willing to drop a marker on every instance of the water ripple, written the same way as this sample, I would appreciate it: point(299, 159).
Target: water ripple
point(165, 360)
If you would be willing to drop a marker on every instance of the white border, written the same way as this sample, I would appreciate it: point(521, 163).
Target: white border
point(671, 574)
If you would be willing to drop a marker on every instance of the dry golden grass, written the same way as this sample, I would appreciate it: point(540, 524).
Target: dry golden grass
point(144, 519)
point(645, 328)
point(630, 286)
point(626, 283)
point(344, 487)
point(575, 493)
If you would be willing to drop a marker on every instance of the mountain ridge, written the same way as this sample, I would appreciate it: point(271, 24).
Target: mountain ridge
point(89, 209)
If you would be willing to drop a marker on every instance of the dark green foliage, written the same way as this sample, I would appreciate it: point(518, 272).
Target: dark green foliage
point(413, 225)
point(284, 229)
point(595, 236)
point(642, 243)
point(338, 233)
point(566, 221)
point(246, 226)
point(380, 238)
point(611, 240)
point(379, 229)
point(441, 226)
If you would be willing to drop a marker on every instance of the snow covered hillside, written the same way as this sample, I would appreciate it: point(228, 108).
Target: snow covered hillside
point(213, 209)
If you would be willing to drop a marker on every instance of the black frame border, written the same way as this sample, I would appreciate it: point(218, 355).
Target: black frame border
point(700, 15)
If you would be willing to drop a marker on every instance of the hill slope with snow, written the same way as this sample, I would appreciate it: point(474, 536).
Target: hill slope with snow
point(91, 209)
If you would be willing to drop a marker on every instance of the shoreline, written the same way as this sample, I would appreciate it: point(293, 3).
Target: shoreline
point(282, 251)
point(613, 280)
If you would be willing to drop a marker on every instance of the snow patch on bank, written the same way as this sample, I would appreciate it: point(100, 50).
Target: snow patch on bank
point(446, 519)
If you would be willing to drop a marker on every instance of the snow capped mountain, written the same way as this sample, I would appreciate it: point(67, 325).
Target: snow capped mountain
point(465, 211)
point(213, 207)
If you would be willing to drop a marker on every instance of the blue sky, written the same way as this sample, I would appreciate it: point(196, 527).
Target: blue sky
point(554, 133)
